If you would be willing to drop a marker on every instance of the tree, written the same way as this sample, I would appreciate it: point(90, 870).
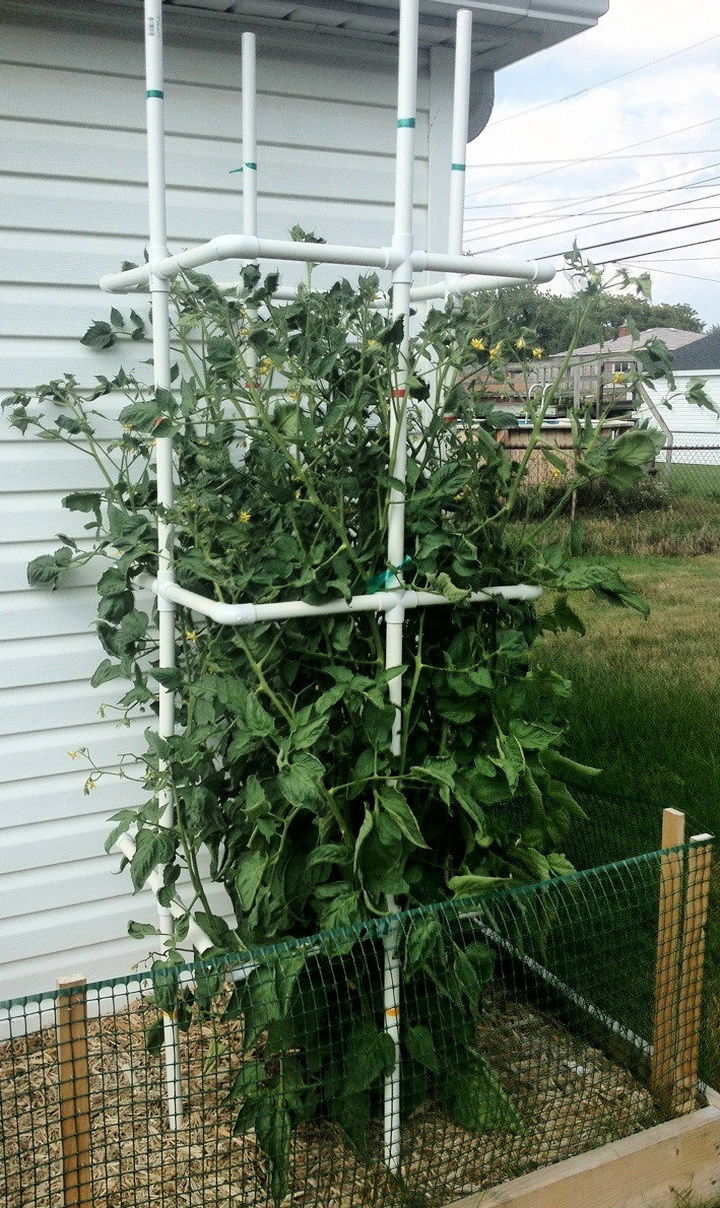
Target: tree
point(553, 318)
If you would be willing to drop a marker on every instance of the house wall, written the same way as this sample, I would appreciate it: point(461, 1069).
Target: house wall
point(696, 430)
point(73, 206)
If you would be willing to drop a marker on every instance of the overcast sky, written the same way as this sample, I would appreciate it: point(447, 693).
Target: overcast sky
point(673, 180)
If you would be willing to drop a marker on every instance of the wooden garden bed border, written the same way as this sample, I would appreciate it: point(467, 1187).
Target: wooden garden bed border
point(653, 1169)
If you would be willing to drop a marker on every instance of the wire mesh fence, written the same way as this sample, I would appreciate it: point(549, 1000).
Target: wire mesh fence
point(536, 1022)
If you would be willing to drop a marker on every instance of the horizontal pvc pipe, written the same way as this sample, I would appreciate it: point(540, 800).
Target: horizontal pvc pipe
point(381, 601)
point(467, 285)
point(485, 266)
point(561, 987)
point(249, 247)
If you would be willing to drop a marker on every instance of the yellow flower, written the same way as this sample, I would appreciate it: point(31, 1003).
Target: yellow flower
point(294, 394)
point(372, 343)
point(265, 365)
point(191, 635)
point(90, 784)
point(127, 427)
point(618, 378)
point(496, 350)
point(73, 754)
point(478, 345)
point(244, 517)
point(555, 472)
point(537, 353)
point(521, 343)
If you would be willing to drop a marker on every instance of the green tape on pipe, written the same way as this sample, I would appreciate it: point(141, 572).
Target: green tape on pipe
point(156, 92)
point(387, 577)
point(458, 167)
point(250, 164)
point(407, 121)
point(234, 170)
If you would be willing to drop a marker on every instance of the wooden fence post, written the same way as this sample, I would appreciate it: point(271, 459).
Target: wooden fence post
point(74, 1088)
point(664, 1078)
point(697, 894)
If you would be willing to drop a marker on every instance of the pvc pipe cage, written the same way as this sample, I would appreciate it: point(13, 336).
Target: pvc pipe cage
point(461, 274)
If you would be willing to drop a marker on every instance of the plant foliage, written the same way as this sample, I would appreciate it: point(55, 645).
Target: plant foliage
point(284, 787)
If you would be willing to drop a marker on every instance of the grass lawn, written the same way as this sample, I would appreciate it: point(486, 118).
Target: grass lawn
point(701, 481)
point(645, 705)
point(645, 708)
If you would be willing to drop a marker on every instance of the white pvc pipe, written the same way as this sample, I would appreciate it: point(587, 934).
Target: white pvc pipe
point(163, 463)
point(402, 244)
point(285, 610)
point(485, 266)
point(249, 134)
point(249, 247)
point(461, 115)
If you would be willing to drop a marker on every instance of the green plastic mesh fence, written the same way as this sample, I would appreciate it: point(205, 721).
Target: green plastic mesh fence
point(525, 1021)
point(618, 827)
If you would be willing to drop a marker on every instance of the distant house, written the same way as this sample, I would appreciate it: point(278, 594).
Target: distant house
point(597, 372)
point(692, 432)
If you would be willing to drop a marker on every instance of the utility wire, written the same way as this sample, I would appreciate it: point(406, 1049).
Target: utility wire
point(588, 226)
point(504, 205)
point(571, 96)
point(686, 226)
point(608, 154)
point(691, 276)
point(658, 250)
point(499, 225)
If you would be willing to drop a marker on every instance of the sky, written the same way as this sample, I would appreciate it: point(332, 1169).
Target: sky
point(517, 201)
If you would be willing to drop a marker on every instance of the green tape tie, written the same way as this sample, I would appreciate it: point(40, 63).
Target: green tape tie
point(250, 164)
point(156, 92)
point(234, 170)
point(458, 167)
point(409, 122)
point(385, 577)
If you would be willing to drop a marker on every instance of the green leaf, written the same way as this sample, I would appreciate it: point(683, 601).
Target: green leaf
point(420, 1046)
point(248, 877)
point(469, 884)
point(369, 1058)
point(107, 670)
point(154, 1038)
point(99, 336)
point(273, 1133)
point(151, 849)
point(139, 931)
point(301, 781)
point(248, 1081)
point(392, 802)
point(478, 1102)
point(82, 501)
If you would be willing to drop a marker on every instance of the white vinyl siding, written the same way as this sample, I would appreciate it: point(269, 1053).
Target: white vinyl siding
point(696, 430)
point(73, 206)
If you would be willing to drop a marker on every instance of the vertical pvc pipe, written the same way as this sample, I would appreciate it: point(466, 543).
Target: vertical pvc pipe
point(402, 283)
point(249, 149)
point(460, 119)
point(159, 295)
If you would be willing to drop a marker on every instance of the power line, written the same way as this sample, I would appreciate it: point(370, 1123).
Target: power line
point(571, 96)
point(633, 238)
point(588, 226)
point(594, 158)
point(504, 205)
point(640, 255)
point(691, 276)
point(608, 155)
